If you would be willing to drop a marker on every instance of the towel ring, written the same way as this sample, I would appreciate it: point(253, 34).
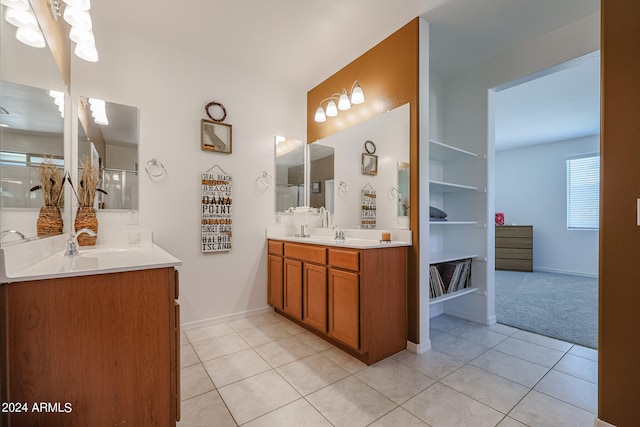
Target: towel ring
point(265, 179)
point(155, 169)
point(343, 188)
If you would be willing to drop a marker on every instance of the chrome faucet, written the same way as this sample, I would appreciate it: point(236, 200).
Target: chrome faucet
point(339, 232)
point(72, 243)
point(4, 232)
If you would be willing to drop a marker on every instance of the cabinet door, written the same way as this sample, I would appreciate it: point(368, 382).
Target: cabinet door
point(293, 288)
point(315, 296)
point(344, 307)
point(275, 286)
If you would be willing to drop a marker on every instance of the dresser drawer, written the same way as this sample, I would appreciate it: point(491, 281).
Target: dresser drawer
point(276, 247)
point(304, 252)
point(347, 259)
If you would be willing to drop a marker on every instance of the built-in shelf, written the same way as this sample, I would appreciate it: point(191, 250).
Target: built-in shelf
point(438, 257)
point(453, 222)
point(448, 187)
point(452, 295)
point(446, 153)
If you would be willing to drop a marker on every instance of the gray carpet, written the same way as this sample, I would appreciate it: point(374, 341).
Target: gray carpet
point(556, 305)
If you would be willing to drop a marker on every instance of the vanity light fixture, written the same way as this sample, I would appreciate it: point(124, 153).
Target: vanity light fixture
point(58, 99)
point(20, 15)
point(98, 111)
point(345, 101)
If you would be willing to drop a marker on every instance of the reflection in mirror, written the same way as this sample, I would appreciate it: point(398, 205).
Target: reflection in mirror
point(290, 173)
point(108, 135)
point(390, 134)
point(403, 189)
point(321, 163)
point(31, 131)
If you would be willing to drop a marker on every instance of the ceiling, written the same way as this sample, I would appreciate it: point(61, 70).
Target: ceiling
point(316, 38)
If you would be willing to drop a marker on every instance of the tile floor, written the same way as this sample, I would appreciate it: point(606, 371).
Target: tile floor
point(267, 371)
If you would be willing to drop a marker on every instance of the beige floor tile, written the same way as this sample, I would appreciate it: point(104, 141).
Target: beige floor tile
point(492, 390)
point(535, 353)
point(235, 367)
point(398, 418)
point(285, 351)
point(431, 363)
point(350, 403)
point(441, 406)
point(296, 414)
point(513, 368)
point(572, 390)
point(257, 395)
point(544, 341)
point(344, 360)
point(586, 352)
point(478, 335)
point(210, 331)
point(219, 346)
point(578, 367)
point(313, 341)
point(501, 329)
point(205, 410)
point(253, 321)
point(194, 381)
point(395, 380)
point(445, 323)
point(510, 422)
point(457, 347)
point(264, 334)
point(540, 410)
point(312, 373)
point(188, 356)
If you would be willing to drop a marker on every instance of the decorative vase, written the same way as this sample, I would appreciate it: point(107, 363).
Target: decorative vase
point(86, 218)
point(49, 221)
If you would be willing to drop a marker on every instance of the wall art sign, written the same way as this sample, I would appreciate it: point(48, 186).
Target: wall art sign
point(216, 212)
point(215, 136)
point(368, 208)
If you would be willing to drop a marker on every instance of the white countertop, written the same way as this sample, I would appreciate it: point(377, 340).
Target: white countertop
point(115, 252)
point(354, 238)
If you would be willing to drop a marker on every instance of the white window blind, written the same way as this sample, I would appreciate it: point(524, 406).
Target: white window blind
point(583, 192)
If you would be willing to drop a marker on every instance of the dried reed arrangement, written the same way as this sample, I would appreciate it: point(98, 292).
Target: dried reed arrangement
point(51, 183)
point(88, 183)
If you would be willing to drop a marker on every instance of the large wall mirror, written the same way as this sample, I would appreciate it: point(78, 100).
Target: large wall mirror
point(389, 132)
point(290, 173)
point(108, 136)
point(32, 128)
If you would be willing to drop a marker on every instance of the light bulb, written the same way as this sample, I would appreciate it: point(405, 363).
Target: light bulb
point(77, 18)
point(332, 110)
point(87, 52)
point(16, 4)
point(30, 37)
point(79, 4)
point(320, 116)
point(343, 102)
point(22, 19)
point(357, 96)
point(82, 36)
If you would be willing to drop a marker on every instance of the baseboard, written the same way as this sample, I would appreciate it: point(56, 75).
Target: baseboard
point(600, 423)
point(569, 273)
point(226, 318)
point(418, 348)
point(436, 310)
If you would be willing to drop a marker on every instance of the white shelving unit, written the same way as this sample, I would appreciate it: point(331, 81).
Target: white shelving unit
point(448, 190)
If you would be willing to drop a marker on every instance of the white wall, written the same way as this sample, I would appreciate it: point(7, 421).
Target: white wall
point(171, 88)
point(531, 190)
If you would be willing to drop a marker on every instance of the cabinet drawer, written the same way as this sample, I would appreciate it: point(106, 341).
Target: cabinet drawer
point(344, 258)
point(276, 247)
point(311, 253)
point(514, 231)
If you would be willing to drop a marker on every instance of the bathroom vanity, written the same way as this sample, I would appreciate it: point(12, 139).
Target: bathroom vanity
point(92, 339)
point(352, 293)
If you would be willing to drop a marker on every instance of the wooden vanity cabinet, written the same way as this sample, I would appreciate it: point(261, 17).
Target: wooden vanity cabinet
point(353, 298)
point(275, 294)
point(98, 350)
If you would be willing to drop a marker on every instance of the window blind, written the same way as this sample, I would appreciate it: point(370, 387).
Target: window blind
point(583, 192)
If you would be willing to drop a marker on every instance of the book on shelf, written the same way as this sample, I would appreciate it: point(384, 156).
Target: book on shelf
point(449, 277)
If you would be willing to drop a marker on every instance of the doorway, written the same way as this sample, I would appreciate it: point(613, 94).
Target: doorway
point(545, 128)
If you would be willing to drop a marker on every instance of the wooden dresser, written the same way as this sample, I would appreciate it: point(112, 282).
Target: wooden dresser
point(514, 247)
